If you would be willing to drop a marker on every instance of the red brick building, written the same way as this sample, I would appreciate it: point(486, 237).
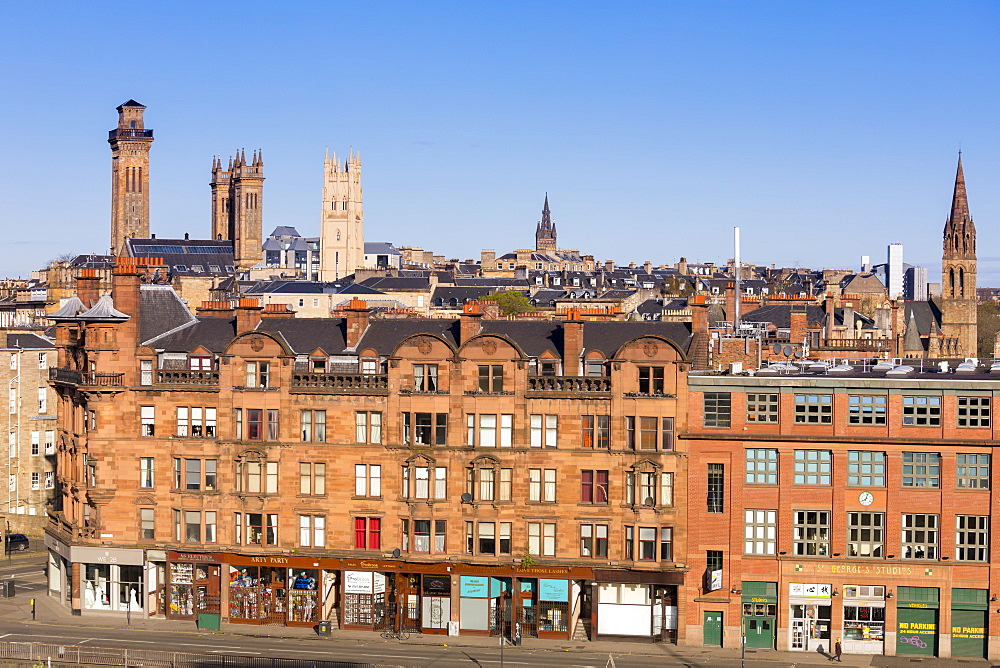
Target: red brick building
point(463, 475)
point(856, 507)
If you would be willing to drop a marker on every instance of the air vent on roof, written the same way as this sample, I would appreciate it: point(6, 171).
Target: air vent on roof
point(841, 369)
point(901, 370)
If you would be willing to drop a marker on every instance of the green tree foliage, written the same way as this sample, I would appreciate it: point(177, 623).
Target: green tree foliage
point(511, 302)
point(988, 315)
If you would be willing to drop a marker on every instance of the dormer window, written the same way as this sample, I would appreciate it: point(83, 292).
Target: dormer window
point(369, 365)
point(200, 362)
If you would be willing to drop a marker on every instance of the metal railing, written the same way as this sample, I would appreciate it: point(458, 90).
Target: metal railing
point(108, 656)
point(88, 378)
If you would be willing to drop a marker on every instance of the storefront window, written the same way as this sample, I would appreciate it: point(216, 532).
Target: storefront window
point(303, 603)
point(97, 587)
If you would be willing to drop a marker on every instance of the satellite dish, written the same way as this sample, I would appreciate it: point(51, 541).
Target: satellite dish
point(650, 501)
point(798, 354)
point(395, 553)
point(776, 349)
point(788, 351)
point(466, 498)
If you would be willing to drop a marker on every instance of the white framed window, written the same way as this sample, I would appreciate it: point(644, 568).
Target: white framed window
point(35, 484)
point(36, 442)
point(544, 430)
point(368, 480)
point(43, 393)
point(542, 538)
point(43, 361)
point(50, 480)
point(312, 531)
point(50, 442)
point(760, 531)
point(147, 415)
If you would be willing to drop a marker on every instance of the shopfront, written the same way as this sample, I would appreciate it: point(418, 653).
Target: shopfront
point(864, 619)
point(287, 591)
point(377, 595)
point(193, 584)
point(969, 617)
point(810, 607)
point(60, 571)
point(111, 579)
point(636, 605)
point(917, 620)
point(760, 612)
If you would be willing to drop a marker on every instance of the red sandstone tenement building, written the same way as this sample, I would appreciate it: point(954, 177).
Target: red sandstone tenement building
point(436, 473)
point(856, 507)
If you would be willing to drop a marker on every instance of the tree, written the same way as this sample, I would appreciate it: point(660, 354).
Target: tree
point(511, 302)
point(988, 316)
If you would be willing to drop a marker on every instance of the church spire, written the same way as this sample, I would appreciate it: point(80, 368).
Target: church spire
point(545, 231)
point(959, 220)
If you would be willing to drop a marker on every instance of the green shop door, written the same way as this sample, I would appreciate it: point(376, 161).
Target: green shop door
point(759, 632)
point(968, 633)
point(713, 629)
point(916, 631)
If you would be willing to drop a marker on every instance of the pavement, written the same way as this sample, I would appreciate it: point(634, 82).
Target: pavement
point(48, 612)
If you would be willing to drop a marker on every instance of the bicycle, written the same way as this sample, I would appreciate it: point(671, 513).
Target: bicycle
point(401, 634)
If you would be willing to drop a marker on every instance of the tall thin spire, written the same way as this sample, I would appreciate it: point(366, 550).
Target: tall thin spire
point(959, 201)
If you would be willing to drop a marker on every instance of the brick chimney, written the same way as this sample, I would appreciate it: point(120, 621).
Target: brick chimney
point(215, 309)
point(247, 315)
point(277, 311)
point(647, 267)
point(87, 286)
point(830, 316)
point(470, 322)
point(700, 337)
point(357, 316)
point(125, 281)
point(572, 343)
point(798, 323)
point(731, 302)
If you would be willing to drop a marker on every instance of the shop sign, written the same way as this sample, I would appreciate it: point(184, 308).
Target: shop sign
point(917, 628)
point(917, 605)
point(57, 546)
point(378, 586)
point(553, 590)
point(100, 555)
point(715, 581)
point(809, 589)
point(192, 556)
point(357, 582)
point(474, 586)
point(437, 585)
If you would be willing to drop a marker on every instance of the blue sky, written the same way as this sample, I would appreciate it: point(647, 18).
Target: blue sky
point(824, 130)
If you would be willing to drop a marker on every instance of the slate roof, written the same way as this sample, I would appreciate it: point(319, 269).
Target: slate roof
point(533, 336)
point(608, 337)
point(384, 335)
point(462, 294)
point(162, 310)
point(397, 283)
point(304, 335)
point(28, 340)
point(132, 103)
point(182, 255)
point(380, 248)
point(285, 231)
point(927, 315)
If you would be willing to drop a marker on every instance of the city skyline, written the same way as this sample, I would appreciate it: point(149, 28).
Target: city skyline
point(825, 134)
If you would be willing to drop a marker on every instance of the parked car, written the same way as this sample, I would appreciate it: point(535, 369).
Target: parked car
point(16, 542)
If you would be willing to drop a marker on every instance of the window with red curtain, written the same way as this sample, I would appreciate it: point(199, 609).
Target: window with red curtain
point(374, 533)
point(360, 533)
point(586, 486)
point(601, 488)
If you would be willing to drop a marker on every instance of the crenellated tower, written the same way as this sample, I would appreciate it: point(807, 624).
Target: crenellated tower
point(342, 234)
point(958, 273)
point(130, 144)
point(237, 205)
point(545, 232)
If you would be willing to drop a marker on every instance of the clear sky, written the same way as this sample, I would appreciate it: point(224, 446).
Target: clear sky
point(825, 130)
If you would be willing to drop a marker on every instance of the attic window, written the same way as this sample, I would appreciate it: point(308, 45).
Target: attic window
point(180, 267)
point(214, 268)
point(197, 268)
point(230, 268)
